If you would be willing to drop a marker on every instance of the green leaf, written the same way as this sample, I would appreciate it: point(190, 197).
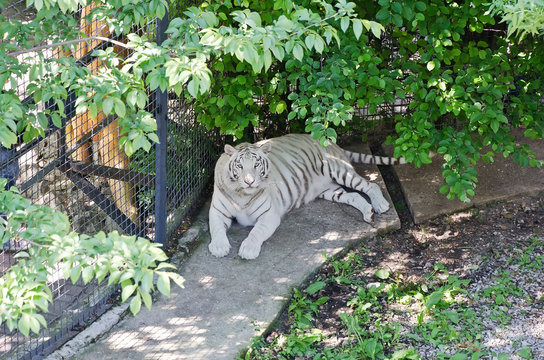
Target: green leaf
point(357, 28)
point(453, 316)
point(120, 108)
point(383, 14)
point(163, 283)
point(434, 298)
point(280, 107)
point(192, 87)
point(376, 29)
point(177, 278)
point(127, 291)
point(344, 23)
point(421, 6)
point(424, 158)
point(298, 52)
point(135, 304)
point(34, 323)
point(309, 41)
point(93, 110)
point(24, 324)
point(459, 356)
point(382, 274)
point(87, 274)
point(267, 59)
point(525, 352)
point(315, 287)
point(146, 297)
point(494, 124)
point(107, 105)
point(75, 273)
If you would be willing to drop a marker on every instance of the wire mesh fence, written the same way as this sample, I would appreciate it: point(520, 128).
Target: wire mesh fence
point(81, 170)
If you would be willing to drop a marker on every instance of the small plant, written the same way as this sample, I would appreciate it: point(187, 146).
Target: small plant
point(302, 309)
point(126, 260)
point(345, 269)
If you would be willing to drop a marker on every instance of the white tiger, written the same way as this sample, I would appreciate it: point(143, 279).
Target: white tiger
point(259, 183)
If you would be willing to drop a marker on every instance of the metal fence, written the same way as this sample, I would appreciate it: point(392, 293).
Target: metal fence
point(80, 170)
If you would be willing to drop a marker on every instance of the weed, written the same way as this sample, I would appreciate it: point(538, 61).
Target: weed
point(345, 269)
point(528, 260)
point(302, 310)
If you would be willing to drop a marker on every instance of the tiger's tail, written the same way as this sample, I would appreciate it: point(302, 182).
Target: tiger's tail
point(362, 158)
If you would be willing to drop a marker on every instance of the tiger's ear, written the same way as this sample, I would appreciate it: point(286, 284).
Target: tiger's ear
point(229, 149)
point(266, 147)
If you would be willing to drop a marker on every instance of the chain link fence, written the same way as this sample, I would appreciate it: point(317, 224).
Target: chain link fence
point(80, 170)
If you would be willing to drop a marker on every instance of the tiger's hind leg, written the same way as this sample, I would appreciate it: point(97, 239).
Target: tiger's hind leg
point(338, 194)
point(350, 179)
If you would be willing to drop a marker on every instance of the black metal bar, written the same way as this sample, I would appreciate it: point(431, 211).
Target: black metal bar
point(104, 203)
point(40, 175)
point(161, 115)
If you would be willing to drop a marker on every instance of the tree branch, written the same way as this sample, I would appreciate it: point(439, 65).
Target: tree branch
point(37, 48)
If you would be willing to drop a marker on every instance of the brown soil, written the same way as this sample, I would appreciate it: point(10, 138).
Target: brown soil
point(464, 242)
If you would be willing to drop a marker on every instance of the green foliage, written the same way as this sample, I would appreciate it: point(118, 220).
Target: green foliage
point(126, 260)
point(467, 88)
point(258, 51)
point(524, 17)
point(306, 66)
point(467, 83)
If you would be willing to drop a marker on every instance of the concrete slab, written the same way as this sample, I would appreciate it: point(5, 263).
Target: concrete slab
point(500, 180)
point(226, 301)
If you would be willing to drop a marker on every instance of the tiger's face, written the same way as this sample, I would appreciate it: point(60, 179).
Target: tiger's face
point(248, 165)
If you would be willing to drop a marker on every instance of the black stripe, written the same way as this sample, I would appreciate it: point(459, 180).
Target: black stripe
point(320, 157)
point(264, 212)
point(357, 185)
point(307, 156)
point(288, 188)
point(258, 207)
point(222, 213)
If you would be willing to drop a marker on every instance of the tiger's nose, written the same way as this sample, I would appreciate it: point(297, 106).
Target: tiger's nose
point(249, 179)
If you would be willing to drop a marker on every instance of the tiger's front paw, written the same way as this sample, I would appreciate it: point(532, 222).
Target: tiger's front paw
point(250, 249)
point(219, 248)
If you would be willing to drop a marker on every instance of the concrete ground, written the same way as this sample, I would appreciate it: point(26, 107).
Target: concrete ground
point(227, 301)
point(500, 180)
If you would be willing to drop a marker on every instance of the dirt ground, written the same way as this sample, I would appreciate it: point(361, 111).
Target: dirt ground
point(472, 244)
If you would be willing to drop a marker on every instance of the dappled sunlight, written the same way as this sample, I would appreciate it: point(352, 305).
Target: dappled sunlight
point(207, 282)
point(331, 235)
point(125, 340)
point(159, 342)
point(423, 235)
point(460, 216)
point(373, 175)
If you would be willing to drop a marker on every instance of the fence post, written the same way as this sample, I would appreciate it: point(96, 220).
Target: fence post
point(161, 115)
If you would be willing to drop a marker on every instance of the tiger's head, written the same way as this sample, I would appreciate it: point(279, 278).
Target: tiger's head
point(248, 165)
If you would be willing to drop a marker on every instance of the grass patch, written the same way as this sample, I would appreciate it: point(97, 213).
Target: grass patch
point(382, 316)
